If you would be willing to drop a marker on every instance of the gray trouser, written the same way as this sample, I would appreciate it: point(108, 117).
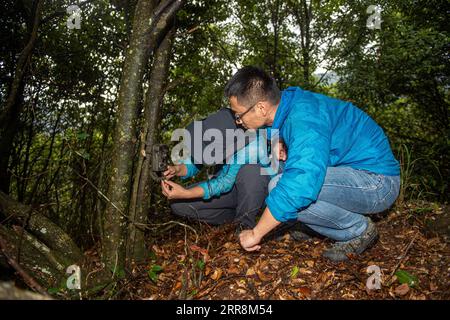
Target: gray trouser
point(240, 205)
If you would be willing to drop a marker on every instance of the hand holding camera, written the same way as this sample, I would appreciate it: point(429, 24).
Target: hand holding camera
point(178, 170)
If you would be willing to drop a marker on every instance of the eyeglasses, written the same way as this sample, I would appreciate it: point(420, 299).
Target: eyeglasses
point(238, 117)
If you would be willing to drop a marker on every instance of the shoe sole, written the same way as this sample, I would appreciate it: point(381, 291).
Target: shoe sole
point(370, 244)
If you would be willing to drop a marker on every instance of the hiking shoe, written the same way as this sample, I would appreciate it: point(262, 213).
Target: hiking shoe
point(299, 235)
point(340, 250)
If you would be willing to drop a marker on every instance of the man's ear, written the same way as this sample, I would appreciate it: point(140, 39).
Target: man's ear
point(263, 108)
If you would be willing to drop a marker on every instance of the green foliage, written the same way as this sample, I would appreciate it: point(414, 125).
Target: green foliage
point(154, 271)
point(406, 277)
point(118, 273)
point(201, 264)
point(399, 74)
point(294, 272)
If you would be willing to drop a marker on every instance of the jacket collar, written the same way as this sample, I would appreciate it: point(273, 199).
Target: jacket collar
point(285, 106)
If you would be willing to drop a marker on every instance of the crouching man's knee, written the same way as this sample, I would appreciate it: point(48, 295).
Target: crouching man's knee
point(181, 209)
point(250, 178)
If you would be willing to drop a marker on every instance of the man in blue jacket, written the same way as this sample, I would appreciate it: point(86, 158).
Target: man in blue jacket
point(339, 168)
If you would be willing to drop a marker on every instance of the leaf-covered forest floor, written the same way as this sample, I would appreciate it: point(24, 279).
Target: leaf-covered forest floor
point(210, 264)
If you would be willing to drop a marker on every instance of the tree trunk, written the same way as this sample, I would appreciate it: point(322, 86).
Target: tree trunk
point(9, 292)
point(307, 49)
point(39, 250)
point(48, 232)
point(140, 204)
point(149, 25)
point(276, 26)
point(12, 109)
point(304, 14)
point(122, 157)
point(30, 259)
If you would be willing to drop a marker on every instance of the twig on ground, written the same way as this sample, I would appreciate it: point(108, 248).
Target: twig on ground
point(405, 253)
point(201, 294)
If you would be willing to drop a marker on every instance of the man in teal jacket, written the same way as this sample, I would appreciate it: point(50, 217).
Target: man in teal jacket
point(235, 193)
point(339, 168)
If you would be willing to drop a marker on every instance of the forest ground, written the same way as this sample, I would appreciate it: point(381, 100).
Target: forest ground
point(209, 263)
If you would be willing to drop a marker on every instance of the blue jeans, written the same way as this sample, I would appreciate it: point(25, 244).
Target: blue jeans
point(347, 195)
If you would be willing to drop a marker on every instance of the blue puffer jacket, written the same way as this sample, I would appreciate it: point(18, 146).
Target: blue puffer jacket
point(322, 132)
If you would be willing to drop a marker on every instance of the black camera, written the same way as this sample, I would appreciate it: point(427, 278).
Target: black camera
point(160, 160)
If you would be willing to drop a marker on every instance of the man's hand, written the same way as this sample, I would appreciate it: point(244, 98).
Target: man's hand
point(178, 170)
point(173, 191)
point(249, 240)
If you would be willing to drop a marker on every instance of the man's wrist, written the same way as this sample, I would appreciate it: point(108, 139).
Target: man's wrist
point(257, 233)
point(265, 224)
point(193, 193)
point(187, 193)
point(181, 170)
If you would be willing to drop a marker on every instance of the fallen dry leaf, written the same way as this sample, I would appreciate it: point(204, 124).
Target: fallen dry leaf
point(318, 277)
point(305, 291)
point(304, 271)
point(228, 245)
point(157, 250)
point(233, 270)
point(243, 264)
point(433, 287)
point(419, 297)
point(202, 251)
point(310, 263)
point(198, 249)
point(348, 296)
point(298, 281)
point(177, 286)
point(241, 291)
point(402, 289)
point(262, 276)
point(250, 272)
point(217, 274)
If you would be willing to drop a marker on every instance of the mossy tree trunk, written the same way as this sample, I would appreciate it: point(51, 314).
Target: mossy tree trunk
point(40, 247)
point(140, 204)
point(151, 21)
point(13, 105)
point(116, 213)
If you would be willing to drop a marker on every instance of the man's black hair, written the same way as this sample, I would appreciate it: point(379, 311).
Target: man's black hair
point(251, 85)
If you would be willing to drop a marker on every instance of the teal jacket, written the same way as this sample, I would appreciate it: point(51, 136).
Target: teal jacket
point(322, 132)
point(253, 153)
